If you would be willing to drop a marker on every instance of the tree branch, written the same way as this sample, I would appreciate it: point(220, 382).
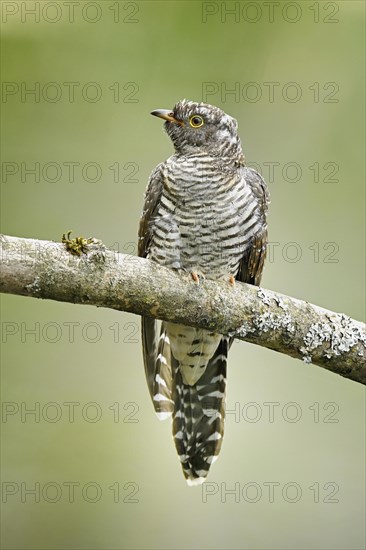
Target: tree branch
point(104, 278)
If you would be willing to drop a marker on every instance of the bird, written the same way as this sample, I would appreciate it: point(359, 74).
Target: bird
point(205, 215)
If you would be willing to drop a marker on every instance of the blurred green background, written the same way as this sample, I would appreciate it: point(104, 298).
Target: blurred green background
point(140, 56)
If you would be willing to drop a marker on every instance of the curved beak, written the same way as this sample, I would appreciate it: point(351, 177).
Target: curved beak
point(166, 114)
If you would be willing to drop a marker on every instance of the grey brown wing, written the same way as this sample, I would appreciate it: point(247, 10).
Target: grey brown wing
point(252, 262)
point(151, 204)
point(156, 352)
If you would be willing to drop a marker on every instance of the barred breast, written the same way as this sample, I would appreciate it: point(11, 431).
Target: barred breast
point(206, 217)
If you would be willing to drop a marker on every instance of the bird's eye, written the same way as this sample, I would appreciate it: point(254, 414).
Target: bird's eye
point(196, 121)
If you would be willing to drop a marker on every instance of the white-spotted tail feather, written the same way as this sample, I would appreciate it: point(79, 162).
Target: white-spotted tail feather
point(158, 368)
point(198, 419)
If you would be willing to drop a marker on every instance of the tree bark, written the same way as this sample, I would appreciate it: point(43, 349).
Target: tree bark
point(104, 278)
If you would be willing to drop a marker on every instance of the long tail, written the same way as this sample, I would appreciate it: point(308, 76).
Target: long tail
point(198, 409)
point(198, 417)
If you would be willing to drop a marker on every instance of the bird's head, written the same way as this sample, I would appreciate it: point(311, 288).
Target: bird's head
point(200, 127)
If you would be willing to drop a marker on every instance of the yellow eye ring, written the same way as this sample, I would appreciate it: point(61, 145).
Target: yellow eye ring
point(196, 121)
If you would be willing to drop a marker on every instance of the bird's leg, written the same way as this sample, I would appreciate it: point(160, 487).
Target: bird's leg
point(232, 280)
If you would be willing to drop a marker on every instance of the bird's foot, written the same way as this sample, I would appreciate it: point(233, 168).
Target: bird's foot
point(197, 276)
point(232, 280)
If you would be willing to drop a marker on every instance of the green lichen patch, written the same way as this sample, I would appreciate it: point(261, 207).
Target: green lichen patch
point(76, 246)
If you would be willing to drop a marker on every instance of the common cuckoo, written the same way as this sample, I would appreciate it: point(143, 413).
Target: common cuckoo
point(204, 214)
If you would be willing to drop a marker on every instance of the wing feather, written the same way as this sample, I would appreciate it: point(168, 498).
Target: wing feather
point(251, 265)
point(156, 353)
